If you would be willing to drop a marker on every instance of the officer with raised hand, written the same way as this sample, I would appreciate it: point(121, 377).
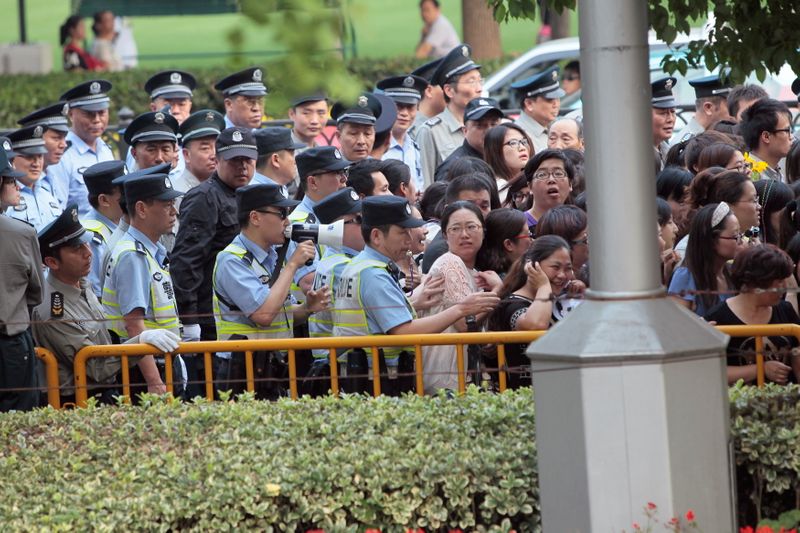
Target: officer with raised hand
point(368, 297)
point(253, 277)
point(70, 317)
point(138, 293)
point(104, 197)
point(244, 94)
point(88, 113)
point(37, 205)
point(53, 119)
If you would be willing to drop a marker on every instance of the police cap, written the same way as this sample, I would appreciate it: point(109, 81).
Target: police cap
point(99, 178)
point(662, 97)
point(170, 84)
point(6, 170)
point(247, 82)
point(477, 108)
point(28, 140)
point(66, 230)
point(455, 63)
point(364, 110)
point(385, 210)
point(320, 159)
point(152, 126)
point(308, 98)
point(236, 142)
point(544, 84)
point(53, 117)
point(714, 85)
point(426, 71)
point(275, 138)
point(153, 186)
point(90, 95)
point(387, 116)
point(203, 123)
point(404, 89)
point(334, 206)
point(258, 195)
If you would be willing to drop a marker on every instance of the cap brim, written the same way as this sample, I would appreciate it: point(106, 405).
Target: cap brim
point(250, 92)
point(483, 112)
point(410, 222)
point(83, 238)
point(665, 104)
point(59, 127)
point(156, 136)
point(340, 164)
point(410, 100)
point(288, 202)
point(92, 107)
point(11, 173)
point(558, 93)
point(238, 152)
point(356, 120)
point(173, 95)
point(168, 195)
point(32, 150)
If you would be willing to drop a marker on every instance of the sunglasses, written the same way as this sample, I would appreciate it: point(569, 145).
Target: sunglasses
point(282, 214)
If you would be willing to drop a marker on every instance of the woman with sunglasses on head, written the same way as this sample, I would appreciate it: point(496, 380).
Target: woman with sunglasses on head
point(550, 174)
point(507, 149)
point(704, 280)
point(759, 275)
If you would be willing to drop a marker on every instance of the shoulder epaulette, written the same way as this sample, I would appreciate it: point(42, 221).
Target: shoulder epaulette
point(98, 238)
point(248, 258)
point(140, 248)
point(433, 121)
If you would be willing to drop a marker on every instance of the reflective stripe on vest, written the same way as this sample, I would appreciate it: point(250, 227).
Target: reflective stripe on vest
point(320, 324)
point(281, 327)
point(162, 294)
point(95, 226)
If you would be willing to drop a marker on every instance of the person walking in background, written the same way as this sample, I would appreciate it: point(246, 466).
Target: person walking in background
point(71, 35)
point(438, 34)
point(103, 45)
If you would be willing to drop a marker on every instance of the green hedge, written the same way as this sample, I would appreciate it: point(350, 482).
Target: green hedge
point(21, 94)
point(341, 465)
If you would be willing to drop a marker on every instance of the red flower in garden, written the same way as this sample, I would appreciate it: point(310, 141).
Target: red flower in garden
point(690, 515)
point(651, 506)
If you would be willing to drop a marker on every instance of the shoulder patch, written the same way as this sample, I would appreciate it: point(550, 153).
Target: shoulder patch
point(56, 305)
point(433, 121)
point(248, 258)
point(98, 238)
point(140, 248)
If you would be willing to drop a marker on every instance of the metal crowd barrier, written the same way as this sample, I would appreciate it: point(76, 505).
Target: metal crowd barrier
point(459, 340)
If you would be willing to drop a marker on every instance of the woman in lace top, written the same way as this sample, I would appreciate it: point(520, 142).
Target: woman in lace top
point(463, 227)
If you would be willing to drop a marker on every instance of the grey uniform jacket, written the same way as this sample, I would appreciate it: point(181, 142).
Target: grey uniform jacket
point(438, 138)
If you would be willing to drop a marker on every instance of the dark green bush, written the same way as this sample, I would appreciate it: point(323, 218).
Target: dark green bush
point(340, 465)
point(21, 94)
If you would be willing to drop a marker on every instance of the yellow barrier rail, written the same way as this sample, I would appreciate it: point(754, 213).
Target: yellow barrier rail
point(459, 340)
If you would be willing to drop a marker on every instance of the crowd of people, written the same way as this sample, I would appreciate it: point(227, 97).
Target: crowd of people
point(440, 213)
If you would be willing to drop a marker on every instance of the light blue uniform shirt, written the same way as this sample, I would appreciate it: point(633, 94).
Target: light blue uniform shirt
point(384, 302)
point(67, 175)
point(37, 206)
point(306, 206)
point(408, 153)
point(261, 179)
point(99, 248)
point(229, 124)
point(132, 267)
point(176, 172)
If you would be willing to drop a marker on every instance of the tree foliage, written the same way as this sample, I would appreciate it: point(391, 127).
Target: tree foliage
point(745, 35)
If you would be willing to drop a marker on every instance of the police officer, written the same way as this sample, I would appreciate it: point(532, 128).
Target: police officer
point(102, 220)
point(323, 171)
point(343, 205)
point(384, 123)
point(70, 317)
point(198, 136)
point(88, 113)
point(480, 116)
point(276, 157)
point(21, 286)
point(368, 299)
point(406, 91)
point(663, 104)
point(37, 205)
point(355, 126)
point(309, 116)
point(460, 79)
point(252, 276)
point(171, 88)
point(244, 94)
point(540, 100)
point(711, 105)
point(53, 119)
point(153, 139)
point(207, 224)
point(432, 101)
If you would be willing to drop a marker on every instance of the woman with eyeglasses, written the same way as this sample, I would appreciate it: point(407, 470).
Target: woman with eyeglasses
point(539, 290)
point(507, 239)
point(759, 275)
point(519, 194)
point(550, 174)
point(704, 280)
point(507, 149)
point(463, 228)
point(723, 155)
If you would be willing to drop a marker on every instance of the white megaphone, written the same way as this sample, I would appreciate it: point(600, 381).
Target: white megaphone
point(321, 234)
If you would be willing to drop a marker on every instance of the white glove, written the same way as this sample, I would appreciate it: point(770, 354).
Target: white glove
point(191, 333)
point(163, 339)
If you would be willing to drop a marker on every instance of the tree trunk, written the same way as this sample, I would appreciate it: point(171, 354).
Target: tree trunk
point(560, 24)
point(480, 29)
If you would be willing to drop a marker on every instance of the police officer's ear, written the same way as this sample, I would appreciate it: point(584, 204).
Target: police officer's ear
point(51, 262)
point(449, 90)
point(228, 103)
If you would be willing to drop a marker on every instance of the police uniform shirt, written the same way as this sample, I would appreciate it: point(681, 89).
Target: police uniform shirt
point(408, 153)
point(304, 212)
point(229, 124)
point(261, 179)
point(37, 206)
point(68, 319)
point(174, 172)
point(691, 129)
point(438, 138)
point(419, 120)
point(385, 304)
point(134, 292)
point(21, 280)
point(67, 175)
point(535, 131)
point(116, 235)
point(99, 246)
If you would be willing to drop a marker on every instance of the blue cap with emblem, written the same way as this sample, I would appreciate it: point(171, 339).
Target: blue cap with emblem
point(52, 117)
point(66, 230)
point(170, 84)
point(320, 159)
point(364, 111)
point(662, 97)
point(544, 84)
point(258, 195)
point(477, 108)
point(200, 124)
point(28, 140)
point(90, 96)
point(386, 210)
point(455, 63)
point(403, 89)
point(152, 126)
point(247, 82)
point(334, 206)
point(714, 85)
point(99, 178)
point(154, 186)
point(236, 142)
point(6, 170)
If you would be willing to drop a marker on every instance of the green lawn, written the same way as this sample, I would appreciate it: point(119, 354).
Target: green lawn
point(384, 28)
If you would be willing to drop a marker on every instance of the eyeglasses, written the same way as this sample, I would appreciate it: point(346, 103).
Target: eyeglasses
point(343, 173)
point(785, 130)
point(741, 167)
point(516, 143)
point(528, 235)
point(282, 214)
point(557, 173)
point(748, 201)
point(473, 82)
point(584, 241)
point(739, 238)
point(471, 229)
point(356, 220)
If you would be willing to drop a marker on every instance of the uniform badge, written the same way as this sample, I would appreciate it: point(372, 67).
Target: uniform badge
point(264, 279)
point(209, 117)
point(337, 154)
point(56, 305)
point(37, 131)
point(362, 101)
point(408, 209)
point(65, 110)
point(74, 214)
point(158, 118)
point(408, 82)
point(167, 183)
point(158, 276)
point(554, 75)
point(7, 146)
point(668, 84)
point(257, 75)
point(175, 78)
point(465, 51)
point(354, 196)
point(237, 136)
point(483, 102)
point(94, 88)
